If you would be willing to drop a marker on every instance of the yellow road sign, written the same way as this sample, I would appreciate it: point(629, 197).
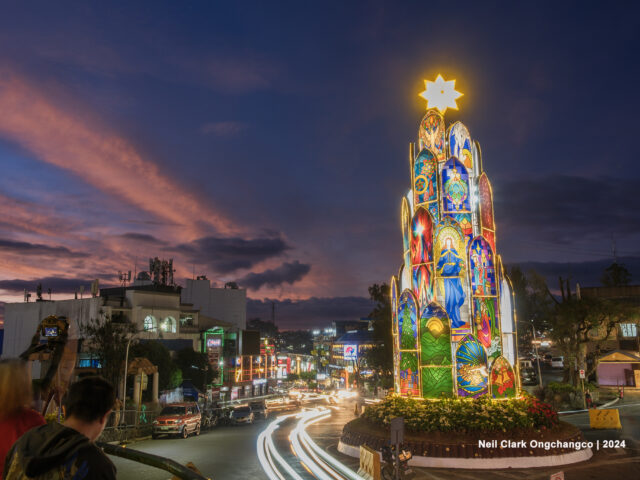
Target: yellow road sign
point(606, 418)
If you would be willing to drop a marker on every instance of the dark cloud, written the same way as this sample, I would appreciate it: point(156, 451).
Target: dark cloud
point(310, 313)
point(25, 248)
point(56, 284)
point(226, 255)
point(285, 273)
point(587, 274)
point(141, 237)
point(564, 208)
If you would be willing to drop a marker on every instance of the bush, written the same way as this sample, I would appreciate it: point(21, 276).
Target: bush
point(465, 415)
point(557, 387)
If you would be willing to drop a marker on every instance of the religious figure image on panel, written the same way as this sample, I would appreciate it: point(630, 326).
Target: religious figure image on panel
point(451, 272)
point(421, 237)
point(408, 321)
point(437, 382)
point(435, 336)
point(409, 371)
point(432, 134)
point(488, 331)
point(502, 379)
point(471, 365)
point(483, 276)
point(485, 198)
point(455, 187)
point(425, 183)
point(460, 145)
point(423, 283)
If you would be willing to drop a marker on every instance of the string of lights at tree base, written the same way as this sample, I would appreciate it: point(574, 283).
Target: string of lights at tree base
point(452, 304)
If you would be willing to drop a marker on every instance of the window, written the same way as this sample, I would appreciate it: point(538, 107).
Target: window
point(149, 323)
point(169, 325)
point(629, 330)
point(186, 321)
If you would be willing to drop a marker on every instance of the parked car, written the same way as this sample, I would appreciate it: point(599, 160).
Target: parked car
point(180, 419)
point(259, 410)
point(242, 414)
point(557, 362)
point(525, 363)
point(547, 359)
point(529, 376)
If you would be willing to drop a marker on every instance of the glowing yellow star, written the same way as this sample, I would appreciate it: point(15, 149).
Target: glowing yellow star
point(441, 94)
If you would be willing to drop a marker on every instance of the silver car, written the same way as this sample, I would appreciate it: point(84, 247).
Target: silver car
point(242, 414)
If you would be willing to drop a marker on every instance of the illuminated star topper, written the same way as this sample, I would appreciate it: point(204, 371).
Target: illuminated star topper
point(441, 94)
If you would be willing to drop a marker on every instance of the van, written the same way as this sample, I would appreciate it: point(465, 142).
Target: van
point(557, 362)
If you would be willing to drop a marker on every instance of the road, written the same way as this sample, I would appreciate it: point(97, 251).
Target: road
point(231, 452)
point(227, 452)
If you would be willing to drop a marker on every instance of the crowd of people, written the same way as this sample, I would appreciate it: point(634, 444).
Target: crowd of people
point(31, 448)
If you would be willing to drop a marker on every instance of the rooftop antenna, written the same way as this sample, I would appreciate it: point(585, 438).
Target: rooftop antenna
point(27, 296)
point(273, 312)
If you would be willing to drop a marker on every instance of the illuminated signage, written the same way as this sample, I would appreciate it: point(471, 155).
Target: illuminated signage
point(350, 352)
point(214, 342)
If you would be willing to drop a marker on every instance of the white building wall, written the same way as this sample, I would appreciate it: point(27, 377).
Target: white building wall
point(226, 304)
point(22, 319)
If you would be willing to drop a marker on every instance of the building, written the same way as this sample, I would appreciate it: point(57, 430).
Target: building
point(619, 354)
point(227, 304)
point(348, 357)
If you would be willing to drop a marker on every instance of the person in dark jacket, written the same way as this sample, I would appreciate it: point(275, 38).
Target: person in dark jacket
point(68, 451)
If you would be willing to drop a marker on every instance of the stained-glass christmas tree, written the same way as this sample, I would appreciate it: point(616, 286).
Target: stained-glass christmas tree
point(454, 324)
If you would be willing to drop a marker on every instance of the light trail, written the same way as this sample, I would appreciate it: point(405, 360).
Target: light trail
point(313, 459)
point(267, 452)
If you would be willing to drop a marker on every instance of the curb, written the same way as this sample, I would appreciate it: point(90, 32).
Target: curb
point(485, 463)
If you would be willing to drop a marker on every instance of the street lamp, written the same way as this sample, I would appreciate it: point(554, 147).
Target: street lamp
point(126, 367)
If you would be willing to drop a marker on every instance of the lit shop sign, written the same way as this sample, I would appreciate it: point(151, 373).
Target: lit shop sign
point(321, 376)
point(214, 342)
point(350, 352)
point(260, 381)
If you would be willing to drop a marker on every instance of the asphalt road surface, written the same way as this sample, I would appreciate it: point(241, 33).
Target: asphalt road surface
point(226, 452)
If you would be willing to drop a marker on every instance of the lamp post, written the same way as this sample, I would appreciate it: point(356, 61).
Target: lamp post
point(535, 345)
point(126, 367)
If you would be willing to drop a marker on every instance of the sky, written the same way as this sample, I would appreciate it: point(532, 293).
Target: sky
point(266, 142)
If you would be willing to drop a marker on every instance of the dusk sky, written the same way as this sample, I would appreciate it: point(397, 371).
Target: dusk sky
point(267, 142)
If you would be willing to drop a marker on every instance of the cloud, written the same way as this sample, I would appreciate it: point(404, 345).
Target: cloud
point(285, 273)
point(226, 255)
point(587, 274)
point(223, 129)
point(312, 312)
point(56, 284)
point(74, 141)
point(237, 75)
point(34, 218)
point(566, 208)
point(141, 237)
point(25, 248)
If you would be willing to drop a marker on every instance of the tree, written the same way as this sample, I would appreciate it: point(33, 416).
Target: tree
point(195, 367)
point(380, 357)
point(616, 275)
point(296, 341)
point(107, 339)
point(266, 329)
point(533, 303)
point(160, 356)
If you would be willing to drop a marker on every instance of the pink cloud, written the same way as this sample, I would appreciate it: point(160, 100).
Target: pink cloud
point(105, 160)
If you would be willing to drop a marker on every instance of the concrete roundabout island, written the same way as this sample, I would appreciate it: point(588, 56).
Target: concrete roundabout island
point(477, 434)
